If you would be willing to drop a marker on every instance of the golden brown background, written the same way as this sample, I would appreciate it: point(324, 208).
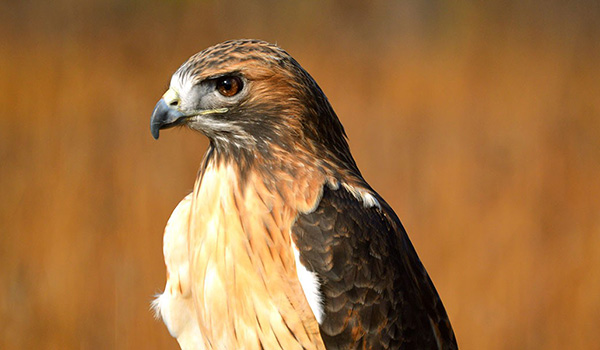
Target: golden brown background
point(479, 123)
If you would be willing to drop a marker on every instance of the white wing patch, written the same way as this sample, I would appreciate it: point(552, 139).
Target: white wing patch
point(310, 285)
point(363, 195)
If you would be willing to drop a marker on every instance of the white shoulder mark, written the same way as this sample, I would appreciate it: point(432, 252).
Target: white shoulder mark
point(363, 195)
point(310, 285)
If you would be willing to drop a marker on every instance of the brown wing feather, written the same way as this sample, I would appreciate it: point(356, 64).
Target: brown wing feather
point(376, 292)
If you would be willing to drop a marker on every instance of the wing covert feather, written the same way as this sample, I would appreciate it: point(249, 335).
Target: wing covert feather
point(376, 292)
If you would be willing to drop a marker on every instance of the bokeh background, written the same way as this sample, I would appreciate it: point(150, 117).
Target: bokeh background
point(478, 122)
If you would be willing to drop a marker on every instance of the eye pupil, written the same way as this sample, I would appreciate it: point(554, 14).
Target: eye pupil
point(229, 86)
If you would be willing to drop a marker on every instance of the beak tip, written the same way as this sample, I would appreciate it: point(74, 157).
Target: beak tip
point(155, 131)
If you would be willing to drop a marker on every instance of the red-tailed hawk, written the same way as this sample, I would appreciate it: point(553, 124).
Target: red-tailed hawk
point(282, 244)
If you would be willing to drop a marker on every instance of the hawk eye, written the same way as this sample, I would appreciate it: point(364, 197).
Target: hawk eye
point(229, 86)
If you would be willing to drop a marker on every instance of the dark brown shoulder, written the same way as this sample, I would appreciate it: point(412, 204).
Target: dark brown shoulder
point(376, 293)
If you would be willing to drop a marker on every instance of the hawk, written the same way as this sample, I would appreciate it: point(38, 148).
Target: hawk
point(282, 244)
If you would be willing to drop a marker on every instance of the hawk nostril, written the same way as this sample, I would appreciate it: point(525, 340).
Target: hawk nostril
point(174, 103)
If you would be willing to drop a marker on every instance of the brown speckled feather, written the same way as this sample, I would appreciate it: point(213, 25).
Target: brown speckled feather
point(286, 245)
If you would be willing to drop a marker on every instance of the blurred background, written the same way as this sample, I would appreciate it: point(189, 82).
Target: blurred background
point(478, 122)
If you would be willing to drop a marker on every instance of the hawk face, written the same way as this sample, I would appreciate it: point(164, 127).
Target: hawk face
point(248, 97)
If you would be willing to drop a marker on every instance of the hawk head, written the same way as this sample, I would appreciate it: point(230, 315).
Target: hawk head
point(250, 97)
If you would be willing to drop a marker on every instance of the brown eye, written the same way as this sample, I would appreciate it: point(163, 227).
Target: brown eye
point(229, 86)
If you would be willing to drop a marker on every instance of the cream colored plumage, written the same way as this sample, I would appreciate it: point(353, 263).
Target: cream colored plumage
point(176, 305)
point(230, 265)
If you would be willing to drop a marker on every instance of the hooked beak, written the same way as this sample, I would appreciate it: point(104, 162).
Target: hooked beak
point(166, 113)
point(163, 117)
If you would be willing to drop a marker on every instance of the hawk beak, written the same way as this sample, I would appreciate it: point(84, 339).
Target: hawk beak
point(164, 117)
point(167, 114)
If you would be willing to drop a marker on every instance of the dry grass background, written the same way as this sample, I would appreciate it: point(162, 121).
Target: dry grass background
point(479, 123)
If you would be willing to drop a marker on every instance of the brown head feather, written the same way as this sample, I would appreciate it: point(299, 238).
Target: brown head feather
point(284, 111)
